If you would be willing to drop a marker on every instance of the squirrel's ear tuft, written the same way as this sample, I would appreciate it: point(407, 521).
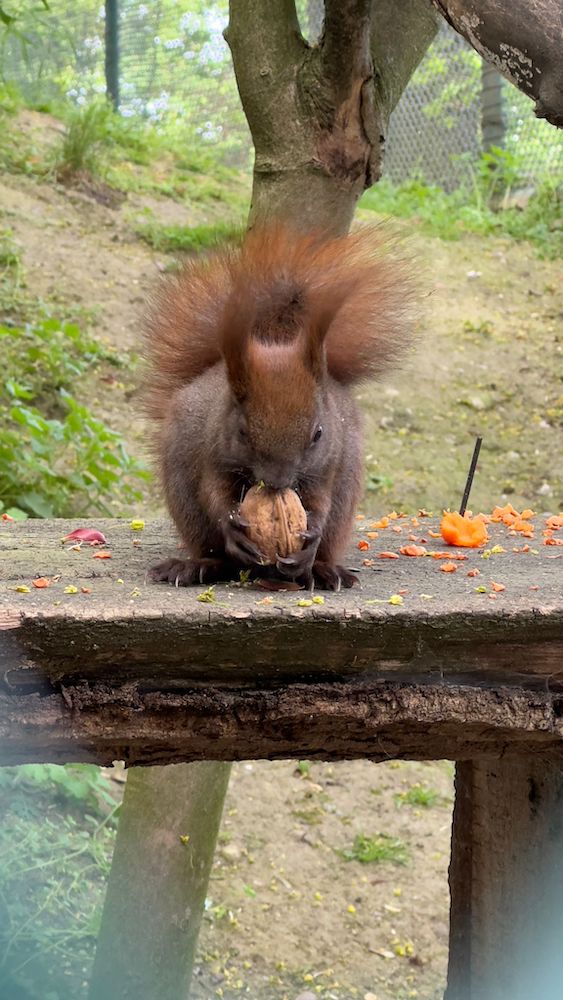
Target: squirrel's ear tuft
point(314, 354)
point(324, 306)
point(236, 327)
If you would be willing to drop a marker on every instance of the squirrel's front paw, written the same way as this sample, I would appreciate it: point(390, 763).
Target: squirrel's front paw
point(299, 565)
point(238, 546)
point(185, 572)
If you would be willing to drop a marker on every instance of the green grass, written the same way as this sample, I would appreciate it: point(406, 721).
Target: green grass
point(380, 849)
point(187, 239)
point(87, 132)
point(126, 154)
point(56, 842)
point(419, 796)
point(449, 216)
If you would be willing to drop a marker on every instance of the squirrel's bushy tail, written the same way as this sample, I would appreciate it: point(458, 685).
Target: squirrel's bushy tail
point(293, 279)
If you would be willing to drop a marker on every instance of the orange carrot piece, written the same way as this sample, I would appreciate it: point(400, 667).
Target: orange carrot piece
point(464, 531)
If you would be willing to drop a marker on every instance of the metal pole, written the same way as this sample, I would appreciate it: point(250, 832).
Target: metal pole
point(492, 117)
point(112, 51)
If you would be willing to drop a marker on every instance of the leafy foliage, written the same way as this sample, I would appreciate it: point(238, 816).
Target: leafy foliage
point(448, 216)
point(56, 457)
point(70, 784)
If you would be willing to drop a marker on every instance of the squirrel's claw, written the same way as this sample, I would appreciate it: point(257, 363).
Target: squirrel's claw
point(185, 572)
point(330, 577)
point(238, 546)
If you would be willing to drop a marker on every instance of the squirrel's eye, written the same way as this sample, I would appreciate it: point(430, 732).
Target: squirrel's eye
point(317, 434)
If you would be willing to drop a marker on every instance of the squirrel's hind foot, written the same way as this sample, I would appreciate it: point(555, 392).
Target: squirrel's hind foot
point(186, 572)
point(329, 577)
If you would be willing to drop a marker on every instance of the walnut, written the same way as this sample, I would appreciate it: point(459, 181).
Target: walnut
point(276, 519)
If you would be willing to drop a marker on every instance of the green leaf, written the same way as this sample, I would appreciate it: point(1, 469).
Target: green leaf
point(17, 514)
point(36, 504)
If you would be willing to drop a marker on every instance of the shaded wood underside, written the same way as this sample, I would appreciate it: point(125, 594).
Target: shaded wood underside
point(150, 675)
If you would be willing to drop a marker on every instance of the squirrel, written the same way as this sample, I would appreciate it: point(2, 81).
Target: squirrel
point(253, 353)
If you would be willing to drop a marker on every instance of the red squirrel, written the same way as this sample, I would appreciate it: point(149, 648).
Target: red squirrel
point(254, 351)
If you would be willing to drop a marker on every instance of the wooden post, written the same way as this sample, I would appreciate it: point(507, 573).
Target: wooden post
point(506, 881)
point(158, 881)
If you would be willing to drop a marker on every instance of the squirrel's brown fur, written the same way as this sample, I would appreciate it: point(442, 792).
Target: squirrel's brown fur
point(289, 275)
point(252, 350)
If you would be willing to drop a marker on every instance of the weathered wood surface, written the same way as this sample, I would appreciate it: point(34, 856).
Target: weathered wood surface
point(149, 674)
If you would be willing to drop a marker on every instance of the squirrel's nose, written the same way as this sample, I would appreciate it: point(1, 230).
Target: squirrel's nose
point(275, 479)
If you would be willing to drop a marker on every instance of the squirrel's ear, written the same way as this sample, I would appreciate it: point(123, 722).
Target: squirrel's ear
point(236, 326)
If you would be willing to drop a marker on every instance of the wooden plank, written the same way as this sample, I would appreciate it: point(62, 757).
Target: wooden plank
point(506, 881)
point(150, 674)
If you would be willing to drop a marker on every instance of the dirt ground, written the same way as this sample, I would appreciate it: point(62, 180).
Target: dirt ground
point(288, 916)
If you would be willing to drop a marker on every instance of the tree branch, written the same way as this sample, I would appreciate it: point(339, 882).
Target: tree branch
point(318, 114)
point(523, 40)
point(400, 35)
point(267, 47)
point(344, 45)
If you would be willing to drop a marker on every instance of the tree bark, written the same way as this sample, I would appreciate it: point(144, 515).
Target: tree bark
point(400, 35)
point(158, 881)
point(523, 40)
point(318, 114)
point(506, 880)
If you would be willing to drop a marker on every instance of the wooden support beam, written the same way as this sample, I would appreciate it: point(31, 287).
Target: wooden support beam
point(158, 882)
point(506, 880)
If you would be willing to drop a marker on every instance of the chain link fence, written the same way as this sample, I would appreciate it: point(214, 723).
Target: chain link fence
point(175, 68)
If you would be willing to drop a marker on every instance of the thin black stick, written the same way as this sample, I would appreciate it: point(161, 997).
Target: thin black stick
point(470, 475)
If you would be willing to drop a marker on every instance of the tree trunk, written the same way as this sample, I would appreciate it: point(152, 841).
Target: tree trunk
point(158, 881)
point(318, 114)
point(523, 40)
